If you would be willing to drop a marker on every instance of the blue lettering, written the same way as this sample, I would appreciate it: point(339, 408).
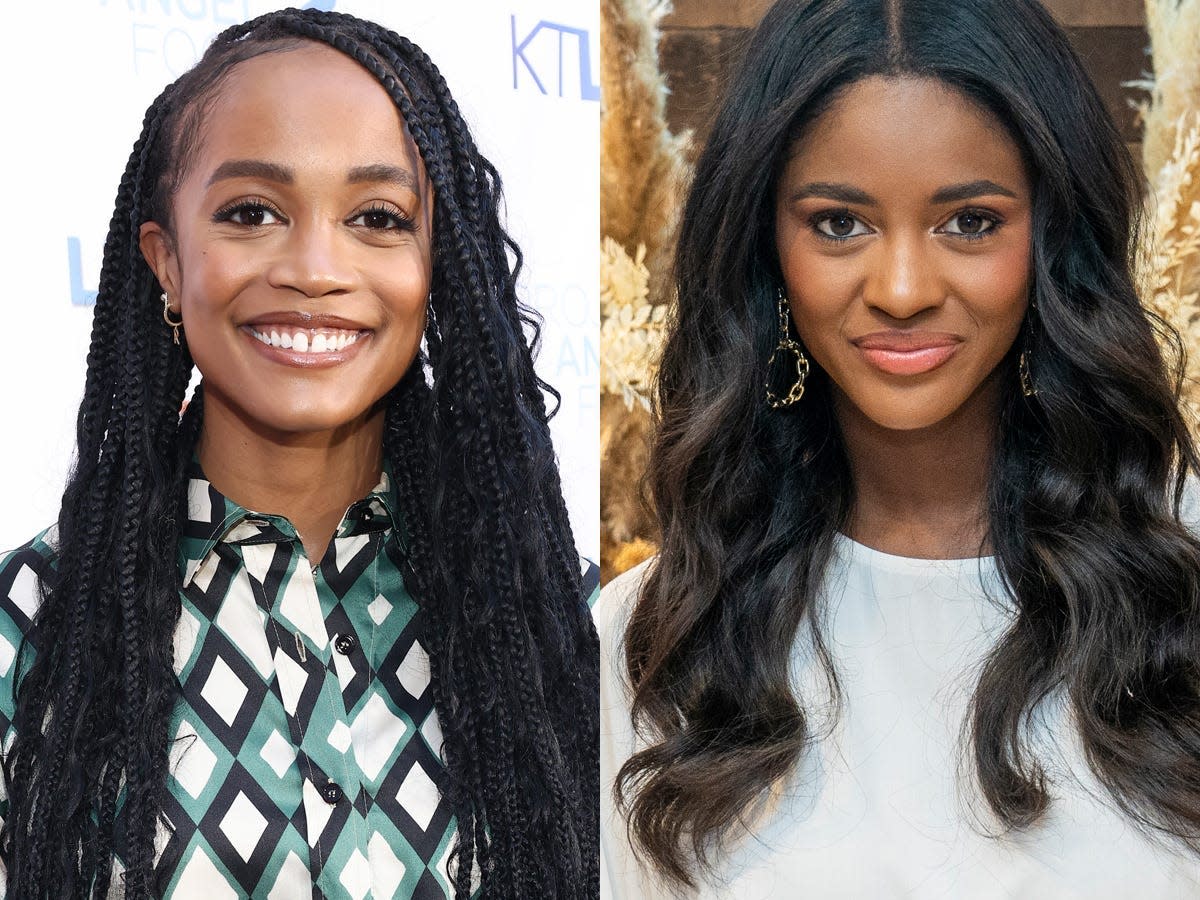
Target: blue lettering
point(79, 296)
point(588, 89)
point(196, 11)
point(223, 20)
point(137, 48)
point(519, 53)
point(591, 356)
point(188, 58)
point(567, 358)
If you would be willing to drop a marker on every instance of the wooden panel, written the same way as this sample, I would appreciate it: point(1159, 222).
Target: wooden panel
point(699, 62)
point(1098, 12)
point(716, 13)
point(746, 13)
point(1113, 56)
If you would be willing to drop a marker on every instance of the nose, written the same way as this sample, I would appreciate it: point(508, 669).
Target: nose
point(313, 261)
point(903, 279)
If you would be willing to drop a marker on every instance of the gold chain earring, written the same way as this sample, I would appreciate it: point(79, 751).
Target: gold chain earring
point(166, 302)
point(1023, 372)
point(1027, 387)
point(786, 345)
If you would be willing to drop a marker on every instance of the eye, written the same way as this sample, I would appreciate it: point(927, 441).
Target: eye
point(838, 225)
point(249, 214)
point(972, 224)
point(383, 218)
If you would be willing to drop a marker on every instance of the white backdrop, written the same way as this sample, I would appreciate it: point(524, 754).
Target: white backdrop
point(77, 76)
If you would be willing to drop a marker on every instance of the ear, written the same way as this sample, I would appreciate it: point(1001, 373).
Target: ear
point(157, 250)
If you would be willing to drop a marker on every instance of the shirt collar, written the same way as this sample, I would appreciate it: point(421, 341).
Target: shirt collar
point(212, 519)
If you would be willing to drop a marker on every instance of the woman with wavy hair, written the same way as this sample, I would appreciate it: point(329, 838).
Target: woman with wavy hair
point(326, 635)
point(925, 621)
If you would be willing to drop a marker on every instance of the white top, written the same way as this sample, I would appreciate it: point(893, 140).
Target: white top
point(887, 806)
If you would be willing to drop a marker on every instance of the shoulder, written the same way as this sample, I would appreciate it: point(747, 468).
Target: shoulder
point(22, 572)
point(615, 604)
point(590, 573)
point(1189, 506)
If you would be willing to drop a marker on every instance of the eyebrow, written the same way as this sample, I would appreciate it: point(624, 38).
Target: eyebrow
point(268, 171)
point(953, 193)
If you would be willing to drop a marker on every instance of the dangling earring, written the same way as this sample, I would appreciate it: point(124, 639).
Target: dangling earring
point(1027, 387)
point(1023, 373)
point(166, 302)
point(786, 345)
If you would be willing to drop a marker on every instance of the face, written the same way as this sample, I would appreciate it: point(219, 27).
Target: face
point(903, 226)
point(299, 255)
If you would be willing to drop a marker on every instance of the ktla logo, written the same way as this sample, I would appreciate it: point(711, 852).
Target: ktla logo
point(539, 51)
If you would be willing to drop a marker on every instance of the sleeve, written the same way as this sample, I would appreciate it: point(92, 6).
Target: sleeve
point(591, 581)
point(622, 877)
point(21, 572)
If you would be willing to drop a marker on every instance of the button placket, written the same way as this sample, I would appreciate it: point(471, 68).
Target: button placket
point(331, 699)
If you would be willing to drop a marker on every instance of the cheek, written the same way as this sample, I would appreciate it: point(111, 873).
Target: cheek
point(403, 286)
point(998, 286)
point(214, 273)
point(820, 295)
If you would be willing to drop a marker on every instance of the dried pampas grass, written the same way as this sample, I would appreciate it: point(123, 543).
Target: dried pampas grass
point(642, 165)
point(1169, 270)
point(1174, 29)
point(643, 168)
point(631, 329)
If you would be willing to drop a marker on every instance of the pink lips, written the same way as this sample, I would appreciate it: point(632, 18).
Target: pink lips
point(907, 352)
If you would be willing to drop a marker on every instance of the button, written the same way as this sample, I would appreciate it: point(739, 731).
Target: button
point(345, 644)
point(332, 794)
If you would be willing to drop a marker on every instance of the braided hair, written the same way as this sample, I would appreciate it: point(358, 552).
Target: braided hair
point(512, 648)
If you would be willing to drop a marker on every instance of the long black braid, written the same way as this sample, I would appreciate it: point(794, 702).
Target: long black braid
point(512, 648)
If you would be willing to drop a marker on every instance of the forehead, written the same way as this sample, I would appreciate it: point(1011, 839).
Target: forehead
point(306, 105)
point(900, 135)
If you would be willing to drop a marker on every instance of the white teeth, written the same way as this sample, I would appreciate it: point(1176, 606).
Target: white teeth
point(307, 342)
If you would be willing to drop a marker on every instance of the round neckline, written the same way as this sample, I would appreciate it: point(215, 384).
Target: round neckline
point(879, 559)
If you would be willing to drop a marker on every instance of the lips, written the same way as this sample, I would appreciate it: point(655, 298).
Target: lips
point(306, 340)
point(907, 352)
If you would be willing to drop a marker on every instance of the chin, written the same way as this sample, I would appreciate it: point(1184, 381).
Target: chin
point(282, 418)
point(906, 413)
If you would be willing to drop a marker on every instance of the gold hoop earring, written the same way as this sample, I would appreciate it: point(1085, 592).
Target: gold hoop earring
point(166, 302)
point(1026, 377)
point(786, 345)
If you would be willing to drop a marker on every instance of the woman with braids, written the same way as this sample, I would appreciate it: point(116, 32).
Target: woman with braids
point(326, 635)
point(926, 617)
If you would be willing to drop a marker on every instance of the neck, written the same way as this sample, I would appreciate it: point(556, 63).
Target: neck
point(310, 478)
point(923, 492)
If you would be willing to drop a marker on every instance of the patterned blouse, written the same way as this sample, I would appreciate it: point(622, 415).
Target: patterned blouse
point(306, 745)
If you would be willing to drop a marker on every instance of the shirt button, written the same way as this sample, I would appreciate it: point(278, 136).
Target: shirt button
point(345, 644)
point(332, 794)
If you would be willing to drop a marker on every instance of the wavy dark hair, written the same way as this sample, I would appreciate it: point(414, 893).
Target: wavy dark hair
point(1085, 484)
point(512, 648)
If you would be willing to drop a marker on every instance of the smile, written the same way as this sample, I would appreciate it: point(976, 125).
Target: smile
point(306, 340)
point(907, 353)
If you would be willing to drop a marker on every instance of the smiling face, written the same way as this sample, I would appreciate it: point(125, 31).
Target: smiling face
point(903, 227)
point(299, 253)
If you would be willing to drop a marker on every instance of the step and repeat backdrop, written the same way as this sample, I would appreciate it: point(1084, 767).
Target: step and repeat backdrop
point(78, 76)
